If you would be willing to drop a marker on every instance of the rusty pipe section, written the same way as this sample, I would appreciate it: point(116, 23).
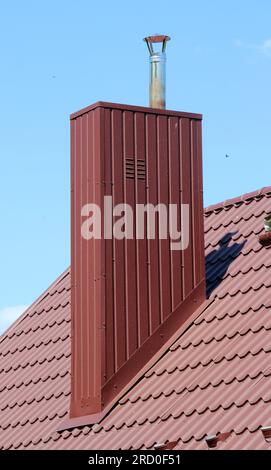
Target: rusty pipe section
point(157, 87)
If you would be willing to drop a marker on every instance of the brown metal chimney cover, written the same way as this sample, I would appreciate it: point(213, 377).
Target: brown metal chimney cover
point(129, 296)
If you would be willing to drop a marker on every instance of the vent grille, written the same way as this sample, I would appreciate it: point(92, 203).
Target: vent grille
point(130, 168)
point(141, 169)
point(131, 172)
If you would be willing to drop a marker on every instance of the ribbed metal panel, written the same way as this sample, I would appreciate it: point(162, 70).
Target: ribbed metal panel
point(87, 264)
point(123, 290)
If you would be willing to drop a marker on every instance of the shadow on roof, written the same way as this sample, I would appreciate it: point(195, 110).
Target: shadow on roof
point(217, 262)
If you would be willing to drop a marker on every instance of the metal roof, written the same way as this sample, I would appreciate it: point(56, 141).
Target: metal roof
point(214, 378)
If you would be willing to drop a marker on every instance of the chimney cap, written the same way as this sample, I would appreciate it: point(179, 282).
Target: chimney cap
point(157, 38)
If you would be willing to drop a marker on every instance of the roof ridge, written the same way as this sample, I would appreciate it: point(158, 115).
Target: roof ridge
point(244, 197)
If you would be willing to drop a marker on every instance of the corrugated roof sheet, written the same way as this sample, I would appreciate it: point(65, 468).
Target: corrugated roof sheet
point(215, 378)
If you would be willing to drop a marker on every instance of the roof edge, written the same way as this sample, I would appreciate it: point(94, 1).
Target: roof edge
point(33, 304)
point(129, 107)
point(244, 197)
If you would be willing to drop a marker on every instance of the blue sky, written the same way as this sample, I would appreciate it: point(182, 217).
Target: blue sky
point(59, 56)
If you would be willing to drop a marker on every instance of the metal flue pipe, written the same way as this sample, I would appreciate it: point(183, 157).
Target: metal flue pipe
point(157, 87)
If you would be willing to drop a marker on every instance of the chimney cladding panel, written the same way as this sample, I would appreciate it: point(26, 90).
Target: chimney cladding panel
point(129, 296)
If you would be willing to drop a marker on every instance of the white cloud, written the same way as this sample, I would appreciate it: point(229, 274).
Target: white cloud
point(239, 43)
point(9, 314)
point(263, 48)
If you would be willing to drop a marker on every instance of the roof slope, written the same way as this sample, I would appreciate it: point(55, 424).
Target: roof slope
point(215, 378)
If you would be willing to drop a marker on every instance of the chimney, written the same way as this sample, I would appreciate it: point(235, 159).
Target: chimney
point(157, 87)
point(131, 289)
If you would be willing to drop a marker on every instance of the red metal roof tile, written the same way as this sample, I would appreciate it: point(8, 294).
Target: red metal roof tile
point(215, 378)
